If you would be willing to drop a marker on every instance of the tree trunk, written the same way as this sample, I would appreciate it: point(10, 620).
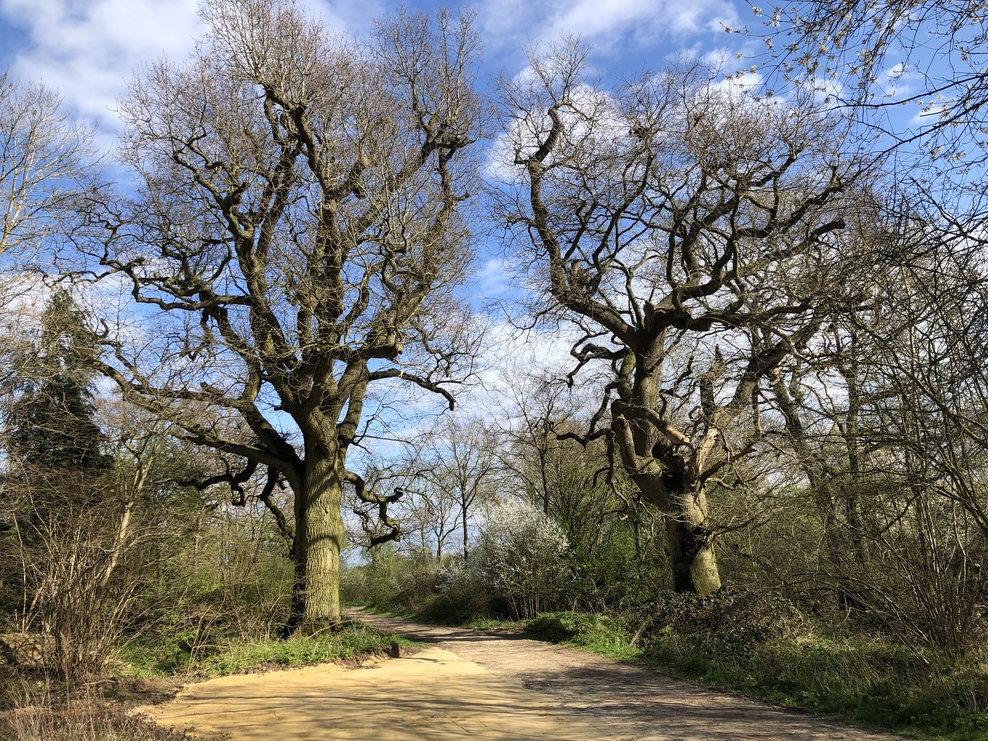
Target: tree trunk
point(691, 552)
point(669, 476)
point(319, 538)
point(680, 496)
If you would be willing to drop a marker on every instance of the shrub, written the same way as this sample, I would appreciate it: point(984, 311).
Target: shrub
point(393, 581)
point(732, 620)
point(598, 633)
point(517, 569)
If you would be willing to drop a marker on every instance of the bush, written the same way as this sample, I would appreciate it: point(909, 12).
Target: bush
point(393, 581)
point(81, 578)
point(732, 621)
point(517, 569)
point(598, 633)
point(95, 722)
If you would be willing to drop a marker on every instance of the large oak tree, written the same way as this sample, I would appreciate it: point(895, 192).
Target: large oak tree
point(692, 234)
point(296, 234)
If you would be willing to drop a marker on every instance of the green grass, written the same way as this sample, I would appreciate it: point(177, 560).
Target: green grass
point(215, 655)
point(860, 679)
point(597, 633)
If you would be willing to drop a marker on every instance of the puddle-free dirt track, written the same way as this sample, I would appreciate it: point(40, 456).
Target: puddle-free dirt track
point(485, 687)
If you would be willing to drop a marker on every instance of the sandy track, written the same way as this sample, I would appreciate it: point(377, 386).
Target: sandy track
point(488, 687)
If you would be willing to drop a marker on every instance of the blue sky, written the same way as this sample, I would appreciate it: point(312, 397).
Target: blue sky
point(87, 49)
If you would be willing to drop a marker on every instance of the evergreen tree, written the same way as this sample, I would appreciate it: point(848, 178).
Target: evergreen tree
point(51, 420)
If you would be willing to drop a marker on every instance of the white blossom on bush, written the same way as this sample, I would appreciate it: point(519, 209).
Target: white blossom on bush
point(519, 562)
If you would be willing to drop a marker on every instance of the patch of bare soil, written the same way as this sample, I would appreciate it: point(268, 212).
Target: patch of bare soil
point(484, 686)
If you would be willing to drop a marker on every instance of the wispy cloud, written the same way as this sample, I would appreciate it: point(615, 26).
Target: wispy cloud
point(614, 27)
point(87, 50)
point(494, 278)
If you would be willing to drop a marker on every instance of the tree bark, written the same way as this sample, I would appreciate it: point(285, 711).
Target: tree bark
point(691, 551)
point(319, 538)
point(689, 535)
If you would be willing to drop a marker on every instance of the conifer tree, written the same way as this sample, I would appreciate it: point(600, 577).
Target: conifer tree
point(52, 420)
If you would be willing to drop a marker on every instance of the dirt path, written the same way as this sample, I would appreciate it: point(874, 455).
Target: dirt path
point(485, 687)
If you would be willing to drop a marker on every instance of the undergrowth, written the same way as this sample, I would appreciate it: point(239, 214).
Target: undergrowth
point(597, 633)
point(85, 722)
point(788, 660)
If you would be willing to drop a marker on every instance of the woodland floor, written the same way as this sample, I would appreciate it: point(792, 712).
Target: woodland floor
point(483, 686)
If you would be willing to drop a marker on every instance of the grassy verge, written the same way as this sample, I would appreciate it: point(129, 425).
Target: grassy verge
point(432, 618)
point(33, 708)
point(858, 679)
point(215, 654)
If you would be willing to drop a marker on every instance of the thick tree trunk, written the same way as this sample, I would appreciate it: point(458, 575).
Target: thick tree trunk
point(668, 469)
point(680, 497)
point(691, 552)
point(320, 536)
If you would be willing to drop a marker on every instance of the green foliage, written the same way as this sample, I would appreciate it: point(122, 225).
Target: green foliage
point(615, 562)
point(860, 679)
point(395, 582)
point(226, 570)
point(731, 621)
point(52, 419)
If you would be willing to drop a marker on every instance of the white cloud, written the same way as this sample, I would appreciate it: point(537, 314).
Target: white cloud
point(596, 18)
point(88, 49)
point(494, 278)
point(898, 82)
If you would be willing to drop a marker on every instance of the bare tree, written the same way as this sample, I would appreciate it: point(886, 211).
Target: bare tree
point(885, 419)
point(531, 416)
point(46, 164)
point(435, 513)
point(459, 466)
point(538, 420)
point(448, 473)
point(45, 160)
point(676, 217)
point(297, 226)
